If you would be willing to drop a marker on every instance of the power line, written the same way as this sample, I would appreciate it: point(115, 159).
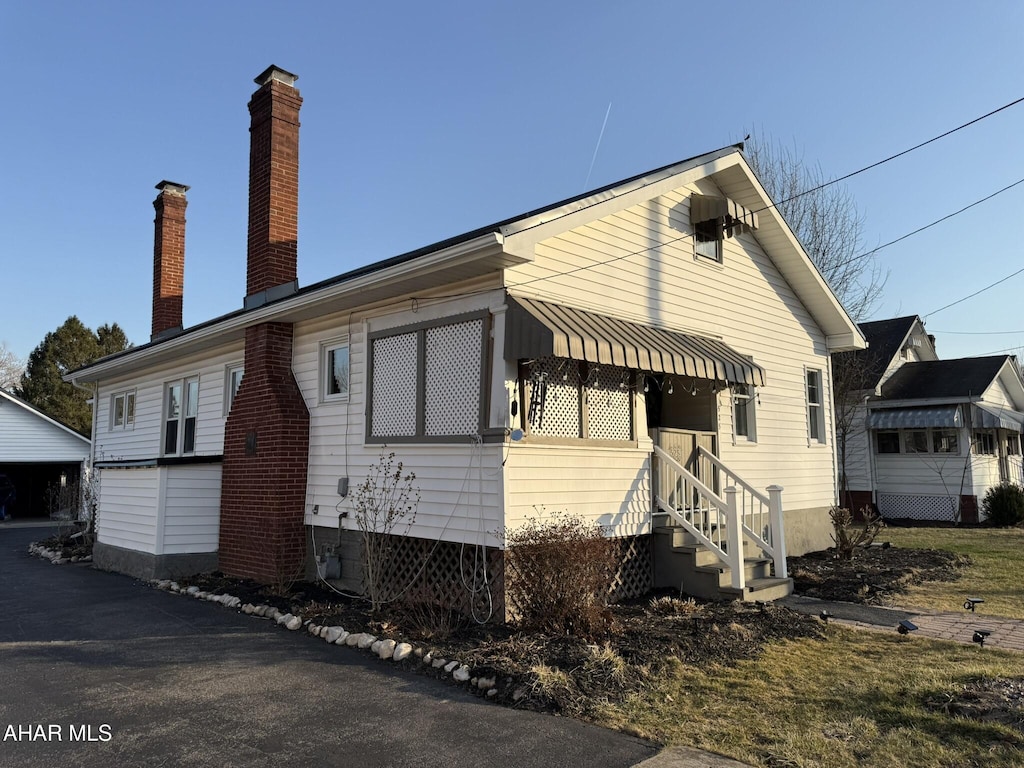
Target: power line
point(965, 298)
point(979, 333)
point(873, 251)
point(893, 157)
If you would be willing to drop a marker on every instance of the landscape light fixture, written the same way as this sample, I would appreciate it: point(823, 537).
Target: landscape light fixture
point(980, 635)
point(906, 626)
point(825, 615)
point(972, 602)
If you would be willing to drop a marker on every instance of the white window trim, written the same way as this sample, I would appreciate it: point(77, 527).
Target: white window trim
point(813, 439)
point(127, 424)
point(229, 393)
point(182, 416)
point(719, 243)
point(324, 369)
point(751, 408)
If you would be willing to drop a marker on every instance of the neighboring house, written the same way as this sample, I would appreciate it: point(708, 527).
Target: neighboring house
point(925, 438)
point(39, 456)
point(593, 356)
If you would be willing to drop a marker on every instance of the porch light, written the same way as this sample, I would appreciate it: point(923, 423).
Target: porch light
point(906, 626)
point(671, 389)
point(693, 389)
point(980, 635)
point(972, 602)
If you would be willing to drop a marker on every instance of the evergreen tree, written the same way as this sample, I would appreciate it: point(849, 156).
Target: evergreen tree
point(66, 349)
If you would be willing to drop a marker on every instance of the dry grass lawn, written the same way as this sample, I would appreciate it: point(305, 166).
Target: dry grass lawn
point(997, 573)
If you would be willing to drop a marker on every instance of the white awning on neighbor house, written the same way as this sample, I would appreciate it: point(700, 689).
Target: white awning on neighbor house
point(538, 328)
point(949, 416)
point(994, 417)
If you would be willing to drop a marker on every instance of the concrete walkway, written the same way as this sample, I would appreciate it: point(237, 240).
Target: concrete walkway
point(1006, 634)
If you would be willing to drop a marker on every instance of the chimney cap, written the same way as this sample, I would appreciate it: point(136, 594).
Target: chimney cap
point(274, 72)
point(173, 187)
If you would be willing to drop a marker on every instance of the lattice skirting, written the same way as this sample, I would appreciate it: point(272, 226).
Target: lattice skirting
point(471, 579)
point(904, 506)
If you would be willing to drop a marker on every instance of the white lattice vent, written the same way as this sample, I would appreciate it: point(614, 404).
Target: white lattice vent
point(452, 386)
point(394, 386)
point(904, 506)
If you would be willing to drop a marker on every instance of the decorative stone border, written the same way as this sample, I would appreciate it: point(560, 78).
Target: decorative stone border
point(385, 648)
point(55, 557)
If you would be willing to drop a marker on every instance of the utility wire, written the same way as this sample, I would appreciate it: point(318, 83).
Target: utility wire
point(979, 333)
point(893, 157)
point(965, 298)
point(873, 251)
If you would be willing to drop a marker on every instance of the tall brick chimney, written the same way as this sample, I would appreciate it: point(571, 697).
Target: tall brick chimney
point(168, 258)
point(266, 436)
point(273, 187)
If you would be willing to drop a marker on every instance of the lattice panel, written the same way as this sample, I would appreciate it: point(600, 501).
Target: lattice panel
point(554, 398)
point(452, 387)
point(463, 578)
point(608, 405)
point(394, 386)
point(635, 574)
point(901, 506)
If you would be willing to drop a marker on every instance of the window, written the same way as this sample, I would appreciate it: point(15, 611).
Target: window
point(888, 441)
point(181, 407)
point(743, 401)
point(985, 443)
point(122, 410)
point(427, 381)
point(707, 239)
point(232, 381)
point(1013, 445)
point(915, 441)
point(815, 407)
point(334, 370)
point(945, 441)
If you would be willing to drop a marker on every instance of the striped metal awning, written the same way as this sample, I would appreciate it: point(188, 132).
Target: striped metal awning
point(536, 328)
point(733, 217)
point(916, 418)
point(994, 417)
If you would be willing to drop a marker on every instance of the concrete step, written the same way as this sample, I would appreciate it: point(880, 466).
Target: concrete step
point(754, 568)
point(764, 589)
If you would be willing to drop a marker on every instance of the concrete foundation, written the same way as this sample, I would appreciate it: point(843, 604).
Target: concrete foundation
point(145, 565)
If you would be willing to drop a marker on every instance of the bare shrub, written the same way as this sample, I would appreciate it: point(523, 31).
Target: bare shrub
point(559, 573)
point(849, 537)
point(385, 504)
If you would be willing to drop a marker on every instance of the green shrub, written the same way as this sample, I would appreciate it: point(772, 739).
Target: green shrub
point(558, 575)
point(1004, 505)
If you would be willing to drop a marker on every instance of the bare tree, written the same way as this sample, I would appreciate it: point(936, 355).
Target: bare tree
point(825, 219)
point(11, 368)
point(854, 375)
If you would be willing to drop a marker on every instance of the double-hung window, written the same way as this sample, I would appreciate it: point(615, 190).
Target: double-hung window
point(743, 400)
point(181, 408)
point(232, 382)
point(122, 410)
point(707, 239)
point(815, 407)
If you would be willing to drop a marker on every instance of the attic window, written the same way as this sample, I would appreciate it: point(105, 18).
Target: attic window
point(715, 218)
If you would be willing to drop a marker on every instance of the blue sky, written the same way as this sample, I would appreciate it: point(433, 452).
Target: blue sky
point(422, 121)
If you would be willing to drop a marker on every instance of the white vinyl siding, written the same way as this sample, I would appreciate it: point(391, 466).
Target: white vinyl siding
point(145, 440)
point(129, 502)
point(27, 436)
point(460, 483)
point(191, 508)
point(745, 302)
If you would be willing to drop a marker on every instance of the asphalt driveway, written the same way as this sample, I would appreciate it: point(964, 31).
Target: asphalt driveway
point(98, 670)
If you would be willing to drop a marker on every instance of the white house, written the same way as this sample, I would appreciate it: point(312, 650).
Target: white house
point(38, 455)
point(927, 438)
point(638, 350)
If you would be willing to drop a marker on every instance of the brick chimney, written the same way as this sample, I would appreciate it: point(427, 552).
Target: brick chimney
point(273, 187)
point(168, 258)
point(266, 436)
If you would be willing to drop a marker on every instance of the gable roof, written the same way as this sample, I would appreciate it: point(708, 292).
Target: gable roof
point(507, 243)
point(966, 377)
point(885, 339)
point(12, 398)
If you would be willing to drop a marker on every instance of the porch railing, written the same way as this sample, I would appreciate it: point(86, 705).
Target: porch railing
point(721, 522)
